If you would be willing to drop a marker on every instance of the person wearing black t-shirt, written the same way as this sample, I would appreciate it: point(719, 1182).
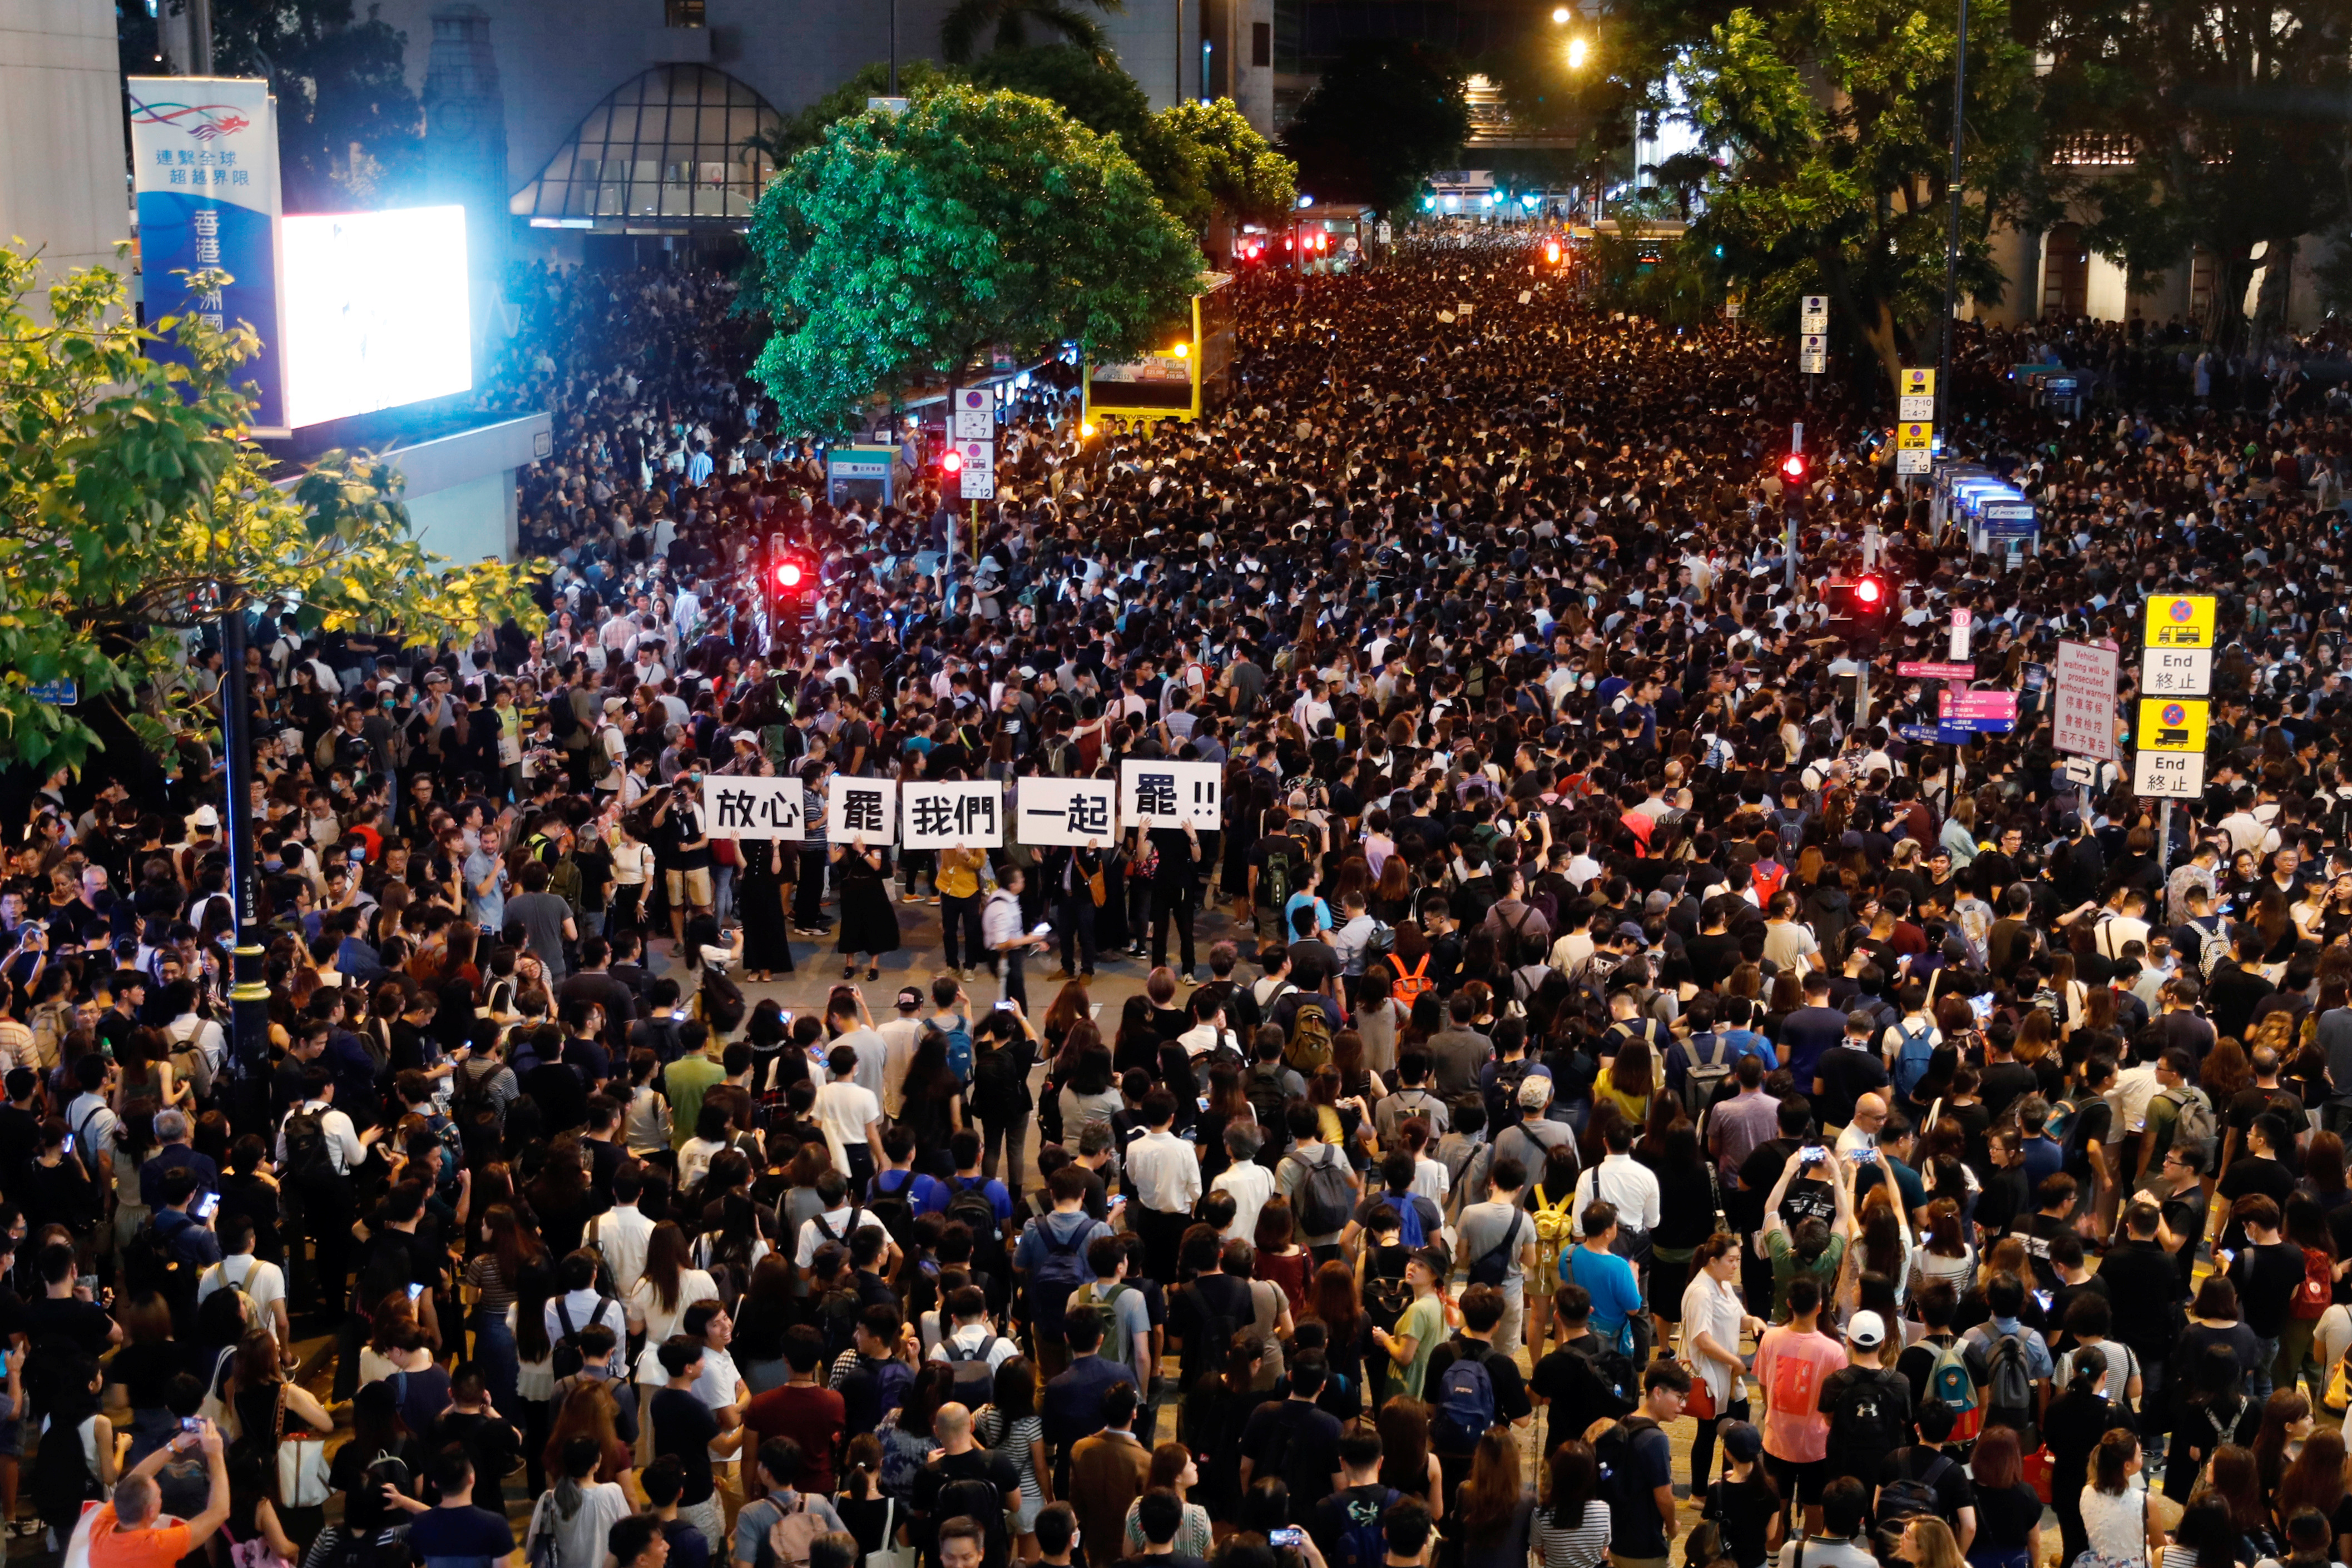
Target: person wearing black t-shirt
point(1482, 1309)
point(685, 1429)
point(2267, 1271)
point(2259, 1170)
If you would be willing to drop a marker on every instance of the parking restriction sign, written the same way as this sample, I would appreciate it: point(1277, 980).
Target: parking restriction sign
point(2180, 621)
point(2172, 724)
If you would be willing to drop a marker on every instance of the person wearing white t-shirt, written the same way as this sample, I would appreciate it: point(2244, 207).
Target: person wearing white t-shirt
point(263, 1282)
point(720, 1386)
point(620, 1233)
point(850, 1114)
point(1249, 1183)
point(842, 1215)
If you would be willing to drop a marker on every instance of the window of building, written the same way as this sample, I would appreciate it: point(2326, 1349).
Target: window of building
point(668, 145)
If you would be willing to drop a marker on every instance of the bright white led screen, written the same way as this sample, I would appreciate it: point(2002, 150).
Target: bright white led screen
point(376, 311)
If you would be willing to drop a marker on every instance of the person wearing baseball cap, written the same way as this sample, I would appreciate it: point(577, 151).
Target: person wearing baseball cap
point(900, 1035)
point(1869, 1403)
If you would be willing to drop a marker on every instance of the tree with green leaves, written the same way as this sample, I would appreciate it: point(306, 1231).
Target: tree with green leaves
point(1836, 118)
point(2218, 127)
point(1093, 90)
point(903, 246)
point(1383, 116)
point(349, 131)
point(797, 133)
point(1210, 166)
point(1010, 20)
point(135, 507)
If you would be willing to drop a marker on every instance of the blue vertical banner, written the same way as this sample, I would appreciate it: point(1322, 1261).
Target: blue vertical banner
point(204, 154)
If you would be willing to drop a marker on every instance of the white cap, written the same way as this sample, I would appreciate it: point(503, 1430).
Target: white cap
point(1867, 1330)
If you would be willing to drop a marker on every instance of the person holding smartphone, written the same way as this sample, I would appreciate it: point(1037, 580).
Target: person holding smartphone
point(185, 1235)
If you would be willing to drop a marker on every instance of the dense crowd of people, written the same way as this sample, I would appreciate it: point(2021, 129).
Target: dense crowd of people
point(1603, 1030)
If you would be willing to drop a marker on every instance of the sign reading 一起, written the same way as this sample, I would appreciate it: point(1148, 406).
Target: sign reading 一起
point(2083, 713)
point(2171, 724)
point(2168, 773)
point(743, 806)
point(951, 816)
point(2176, 672)
point(204, 158)
point(861, 808)
point(1169, 794)
point(2180, 621)
point(1066, 811)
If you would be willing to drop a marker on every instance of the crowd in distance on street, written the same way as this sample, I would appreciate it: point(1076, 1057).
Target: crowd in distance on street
point(1611, 1032)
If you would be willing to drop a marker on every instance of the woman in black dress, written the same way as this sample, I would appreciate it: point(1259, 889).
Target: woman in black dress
point(869, 922)
point(760, 906)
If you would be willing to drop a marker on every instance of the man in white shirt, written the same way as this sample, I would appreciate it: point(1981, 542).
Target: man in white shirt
point(91, 1121)
point(1163, 1171)
point(620, 1233)
point(1620, 1180)
point(192, 1030)
point(850, 1114)
point(973, 1337)
point(1789, 942)
point(1249, 1183)
point(346, 1147)
point(843, 1216)
point(1208, 1032)
point(264, 1283)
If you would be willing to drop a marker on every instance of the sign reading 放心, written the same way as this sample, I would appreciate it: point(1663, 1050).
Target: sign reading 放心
point(203, 157)
point(743, 806)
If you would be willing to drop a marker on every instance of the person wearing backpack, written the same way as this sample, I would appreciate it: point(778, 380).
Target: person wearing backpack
point(2017, 1361)
point(1322, 1187)
point(1346, 1523)
point(1470, 1384)
point(2178, 1112)
point(1637, 1471)
point(1127, 1317)
point(1793, 1363)
point(1418, 1220)
point(1868, 1402)
point(1050, 1261)
point(776, 1472)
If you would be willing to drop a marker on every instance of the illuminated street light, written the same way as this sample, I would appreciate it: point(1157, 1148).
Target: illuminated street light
point(1577, 50)
point(1560, 15)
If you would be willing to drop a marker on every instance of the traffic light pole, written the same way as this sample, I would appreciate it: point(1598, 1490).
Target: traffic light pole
point(1862, 699)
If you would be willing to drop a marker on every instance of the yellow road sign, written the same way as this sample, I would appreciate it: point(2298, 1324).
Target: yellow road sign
point(2180, 621)
point(2172, 724)
point(1918, 384)
point(1914, 435)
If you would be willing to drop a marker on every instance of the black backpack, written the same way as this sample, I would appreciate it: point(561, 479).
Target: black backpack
point(309, 1163)
point(1872, 1417)
point(1263, 1089)
point(894, 1207)
point(565, 1359)
point(975, 1379)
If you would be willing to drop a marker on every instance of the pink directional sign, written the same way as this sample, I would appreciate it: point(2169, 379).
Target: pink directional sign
point(1980, 705)
point(1913, 669)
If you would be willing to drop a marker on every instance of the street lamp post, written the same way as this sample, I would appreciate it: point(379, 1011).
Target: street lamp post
point(1947, 404)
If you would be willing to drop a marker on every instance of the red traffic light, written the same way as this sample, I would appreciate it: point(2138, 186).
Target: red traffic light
point(1792, 468)
point(1869, 593)
point(789, 575)
point(951, 461)
point(1551, 252)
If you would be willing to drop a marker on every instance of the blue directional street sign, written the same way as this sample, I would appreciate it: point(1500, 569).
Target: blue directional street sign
point(57, 694)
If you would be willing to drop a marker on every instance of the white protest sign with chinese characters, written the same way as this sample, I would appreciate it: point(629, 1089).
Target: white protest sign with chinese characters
point(2083, 717)
point(746, 807)
point(1170, 794)
point(861, 808)
point(1067, 812)
point(943, 816)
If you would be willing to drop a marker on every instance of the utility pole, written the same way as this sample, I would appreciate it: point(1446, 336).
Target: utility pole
point(1180, 54)
point(248, 992)
point(1948, 409)
point(894, 48)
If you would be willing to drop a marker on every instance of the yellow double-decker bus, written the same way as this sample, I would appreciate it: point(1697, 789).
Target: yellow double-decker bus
point(1185, 377)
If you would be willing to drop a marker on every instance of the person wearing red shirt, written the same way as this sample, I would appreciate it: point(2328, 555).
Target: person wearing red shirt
point(810, 1414)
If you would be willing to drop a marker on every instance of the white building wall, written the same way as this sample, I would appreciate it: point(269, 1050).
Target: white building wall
point(64, 189)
